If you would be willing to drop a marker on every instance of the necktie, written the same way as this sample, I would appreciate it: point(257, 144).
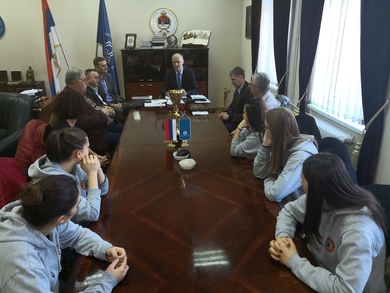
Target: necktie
point(179, 80)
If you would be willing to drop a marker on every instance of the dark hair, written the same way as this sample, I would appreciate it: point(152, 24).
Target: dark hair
point(330, 187)
point(68, 104)
point(255, 111)
point(89, 70)
point(51, 197)
point(97, 60)
point(61, 144)
point(237, 71)
point(285, 132)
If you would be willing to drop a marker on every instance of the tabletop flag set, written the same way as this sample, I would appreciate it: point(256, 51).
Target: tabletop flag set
point(177, 127)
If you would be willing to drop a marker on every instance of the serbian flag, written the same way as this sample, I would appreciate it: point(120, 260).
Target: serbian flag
point(52, 44)
point(170, 129)
point(103, 39)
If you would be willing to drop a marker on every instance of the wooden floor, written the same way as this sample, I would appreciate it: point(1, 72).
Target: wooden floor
point(204, 230)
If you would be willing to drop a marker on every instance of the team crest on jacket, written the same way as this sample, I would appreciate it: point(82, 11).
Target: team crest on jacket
point(329, 245)
point(82, 184)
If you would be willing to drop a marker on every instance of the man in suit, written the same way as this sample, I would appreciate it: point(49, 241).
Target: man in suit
point(92, 92)
point(107, 88)
point(179, 77)
point(92, 121)
point(233, 114)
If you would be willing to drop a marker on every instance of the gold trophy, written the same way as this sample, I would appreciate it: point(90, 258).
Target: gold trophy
point(176, 96)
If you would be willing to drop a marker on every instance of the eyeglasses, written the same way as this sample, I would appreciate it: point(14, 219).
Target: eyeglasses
point(83, 80)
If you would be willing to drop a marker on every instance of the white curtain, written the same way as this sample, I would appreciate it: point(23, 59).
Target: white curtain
point(335, 82)
point(266, 59)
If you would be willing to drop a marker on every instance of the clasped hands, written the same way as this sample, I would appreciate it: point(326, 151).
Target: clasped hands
point(224, 115)
point(118, 267)
point(282, 249)
point(110, 112)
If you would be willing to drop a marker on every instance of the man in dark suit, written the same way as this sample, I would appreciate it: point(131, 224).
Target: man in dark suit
point(107, 88)
point(92, 92)
point(233, 114)
point(179, 77)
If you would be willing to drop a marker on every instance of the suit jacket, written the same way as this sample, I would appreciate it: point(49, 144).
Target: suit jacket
point(111, 88)
point(187, 81)
point(93, 96)
point(236, 108)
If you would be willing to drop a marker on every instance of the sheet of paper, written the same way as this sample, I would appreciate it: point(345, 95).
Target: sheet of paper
point(200, 99)
point(169, 102)
point(200, 113)
point(155, 103)
point(142, 97)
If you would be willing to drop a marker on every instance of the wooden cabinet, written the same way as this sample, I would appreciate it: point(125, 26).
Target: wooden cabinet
point(144, 69)
point(152, 88)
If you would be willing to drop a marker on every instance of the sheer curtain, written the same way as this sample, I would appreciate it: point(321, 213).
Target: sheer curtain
point(335, 83)
point(266, 58)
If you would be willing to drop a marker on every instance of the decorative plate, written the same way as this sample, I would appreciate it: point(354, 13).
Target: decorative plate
point(163, 21)
point(2, 27)
point(172, 41)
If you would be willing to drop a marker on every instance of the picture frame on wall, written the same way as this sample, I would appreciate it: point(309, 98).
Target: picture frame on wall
point(248, 22)
point(130, 40)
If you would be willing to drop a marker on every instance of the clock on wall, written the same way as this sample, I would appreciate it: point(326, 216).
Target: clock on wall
point(2, 27)
point(163, 21)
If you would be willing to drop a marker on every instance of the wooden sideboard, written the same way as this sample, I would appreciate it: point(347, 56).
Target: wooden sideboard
point(17, 88)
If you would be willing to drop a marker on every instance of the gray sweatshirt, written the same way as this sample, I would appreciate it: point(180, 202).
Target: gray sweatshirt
point(289, 179)
point(30, 261)
point(89, 207)
point(247, 144)
point(351, 256)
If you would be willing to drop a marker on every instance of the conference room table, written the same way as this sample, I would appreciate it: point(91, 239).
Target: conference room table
point(201, 230)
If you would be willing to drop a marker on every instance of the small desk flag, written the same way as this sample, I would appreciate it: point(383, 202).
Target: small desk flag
point(185, 127)
point(170, 129)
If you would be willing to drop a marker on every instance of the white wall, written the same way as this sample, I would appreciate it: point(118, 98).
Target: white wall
point(76, 21)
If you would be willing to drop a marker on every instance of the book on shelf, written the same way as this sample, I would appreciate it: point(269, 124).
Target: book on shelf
point(196, 38)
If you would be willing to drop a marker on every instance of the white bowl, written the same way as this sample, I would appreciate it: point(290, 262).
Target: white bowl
point(179, 158)
point(187, 164)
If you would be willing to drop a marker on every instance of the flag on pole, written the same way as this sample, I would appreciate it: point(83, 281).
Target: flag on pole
point(52, 44)
point(104, 39)
point(170, 129)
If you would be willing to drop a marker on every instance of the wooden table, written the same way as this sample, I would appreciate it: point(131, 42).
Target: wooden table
point(204, 230)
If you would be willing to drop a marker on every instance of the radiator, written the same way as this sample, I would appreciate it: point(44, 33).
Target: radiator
point(329, 129)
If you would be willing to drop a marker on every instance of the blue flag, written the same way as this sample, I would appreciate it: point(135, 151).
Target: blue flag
point(103, 39)
point(185, 127)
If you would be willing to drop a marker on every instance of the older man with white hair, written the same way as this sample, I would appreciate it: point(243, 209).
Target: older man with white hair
point(260, 89)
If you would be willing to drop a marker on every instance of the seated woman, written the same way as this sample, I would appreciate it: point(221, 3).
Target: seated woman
point(67, 154)
point(68, 105)
point(248, 136)
point(280, 157)
point(344, 226)
point(34, 228)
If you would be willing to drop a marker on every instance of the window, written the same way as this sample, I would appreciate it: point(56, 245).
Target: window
point(266, 59)
point(335, 86)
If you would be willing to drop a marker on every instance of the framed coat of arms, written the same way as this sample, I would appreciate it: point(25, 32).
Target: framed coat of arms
point(163, 21)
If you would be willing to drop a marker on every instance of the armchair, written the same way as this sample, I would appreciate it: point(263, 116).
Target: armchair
point(15, 112)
